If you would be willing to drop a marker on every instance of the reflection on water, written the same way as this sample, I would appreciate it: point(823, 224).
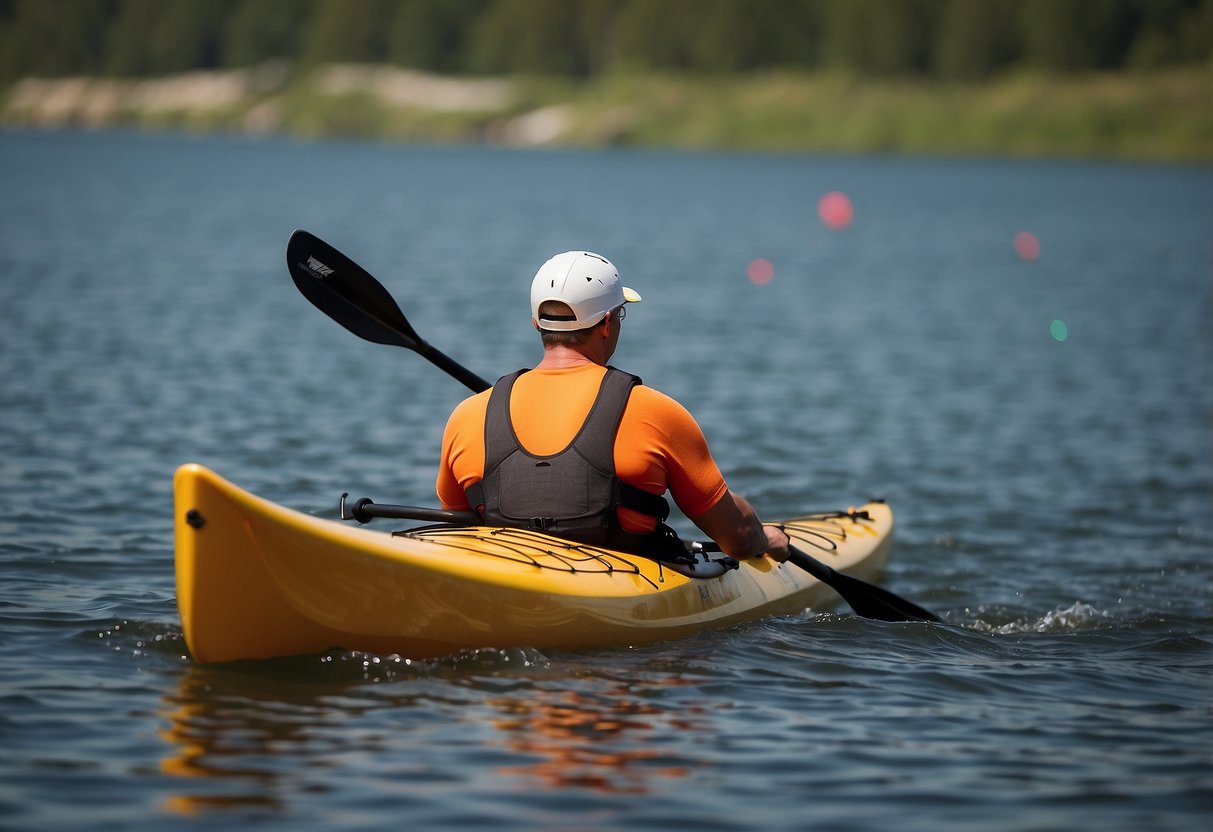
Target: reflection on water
point(247, 737)
point(606, 740)
point(228, 732)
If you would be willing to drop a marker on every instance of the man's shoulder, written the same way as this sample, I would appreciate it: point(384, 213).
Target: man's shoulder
point(651, 397)
point(473, 406)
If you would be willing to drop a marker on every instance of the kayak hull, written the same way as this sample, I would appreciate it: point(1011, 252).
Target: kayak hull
point(258, 580)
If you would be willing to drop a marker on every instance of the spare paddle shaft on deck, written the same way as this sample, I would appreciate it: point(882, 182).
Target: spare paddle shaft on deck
point(364, 510)
point(348, 294)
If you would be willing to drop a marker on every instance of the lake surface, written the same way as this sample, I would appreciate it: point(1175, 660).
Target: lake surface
point(1041, 428)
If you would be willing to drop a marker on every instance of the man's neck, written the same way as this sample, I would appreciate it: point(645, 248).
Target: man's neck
point(560, 357)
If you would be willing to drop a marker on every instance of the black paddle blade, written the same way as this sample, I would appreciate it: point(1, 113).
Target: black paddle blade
point(347, 293)
point(344, 291)
point(868, 600)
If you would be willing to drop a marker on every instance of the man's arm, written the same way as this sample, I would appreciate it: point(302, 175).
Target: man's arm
point(735, 526)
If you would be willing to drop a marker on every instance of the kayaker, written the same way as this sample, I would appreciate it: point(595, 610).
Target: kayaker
point(585, 451)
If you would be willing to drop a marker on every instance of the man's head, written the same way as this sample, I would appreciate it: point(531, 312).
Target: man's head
point(575, 290)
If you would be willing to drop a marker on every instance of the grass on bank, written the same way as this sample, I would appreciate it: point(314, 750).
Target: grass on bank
point(1163, 116)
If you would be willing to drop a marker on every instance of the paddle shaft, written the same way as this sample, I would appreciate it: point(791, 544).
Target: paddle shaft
point(452, 367)
point(364, 510)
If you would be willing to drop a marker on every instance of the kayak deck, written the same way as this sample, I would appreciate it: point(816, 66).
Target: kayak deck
point(258, 580)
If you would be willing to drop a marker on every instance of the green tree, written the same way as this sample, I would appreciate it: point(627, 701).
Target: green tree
point(718, 35)
point(1195, 39)
point(347, 31)
point(732, 36)
point(259, 30)
point(188, 35)
point(727, 37)
point(596, 29)
point(538, 36)
point(126, 38)
point(958, 39)
point(901, 37)
point(1170, 32)
point(156, 37)
point(975, 38)
point(432, 34)
point(880, 37)
point(51, 37)
point(655, 34)
point(793, 31)
point(1075, 35)
point(843, 42)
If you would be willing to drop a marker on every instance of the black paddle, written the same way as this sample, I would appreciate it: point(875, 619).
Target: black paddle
point(348, 294)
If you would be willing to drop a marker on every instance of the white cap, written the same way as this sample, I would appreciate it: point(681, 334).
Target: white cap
point(587, 282)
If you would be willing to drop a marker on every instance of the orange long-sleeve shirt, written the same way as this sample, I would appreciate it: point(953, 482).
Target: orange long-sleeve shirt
point(659, 445)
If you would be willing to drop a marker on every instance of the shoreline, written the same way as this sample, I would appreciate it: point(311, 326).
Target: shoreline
point(1156, 117)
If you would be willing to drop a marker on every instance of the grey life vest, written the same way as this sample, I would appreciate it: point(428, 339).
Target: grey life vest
point(573, 493)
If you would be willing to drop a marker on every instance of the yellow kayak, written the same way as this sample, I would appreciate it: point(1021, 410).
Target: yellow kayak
point(258, 580)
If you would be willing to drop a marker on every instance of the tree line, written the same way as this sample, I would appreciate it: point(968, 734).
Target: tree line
point(940, 39)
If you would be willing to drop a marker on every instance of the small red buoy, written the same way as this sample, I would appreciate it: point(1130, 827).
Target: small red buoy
point(835, 210)
point(760, 271)
point(1026, 245)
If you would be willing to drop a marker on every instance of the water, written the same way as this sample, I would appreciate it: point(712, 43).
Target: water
point(1053, 496)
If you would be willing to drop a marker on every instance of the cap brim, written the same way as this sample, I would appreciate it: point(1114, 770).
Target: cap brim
point(631, 295)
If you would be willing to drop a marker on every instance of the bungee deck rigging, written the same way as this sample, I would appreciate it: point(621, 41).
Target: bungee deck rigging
point(542, 551)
